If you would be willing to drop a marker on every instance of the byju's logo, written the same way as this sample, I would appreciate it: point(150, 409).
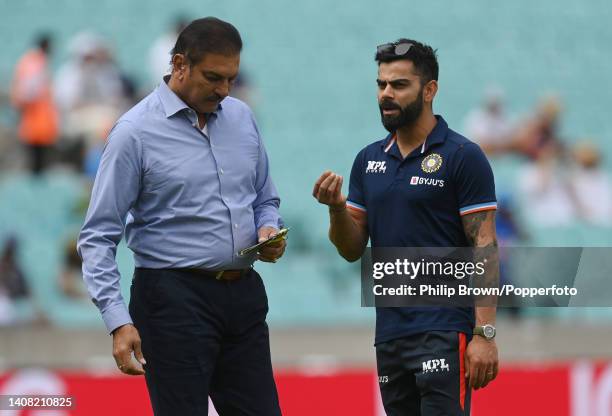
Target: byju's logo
point(417, 180)
point(436, 365)
point(375, 166)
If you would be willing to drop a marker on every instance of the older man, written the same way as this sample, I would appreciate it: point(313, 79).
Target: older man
point(189, 167)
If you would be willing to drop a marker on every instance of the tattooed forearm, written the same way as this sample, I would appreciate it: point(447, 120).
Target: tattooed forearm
point(480, 229)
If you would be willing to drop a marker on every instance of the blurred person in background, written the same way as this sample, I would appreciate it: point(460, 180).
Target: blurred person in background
point(540, 134)
point(488, 125)
point(591, 185)
point(14, 288)
point(509, 230)
point(509, 233)
point(12, 278)
point(92, 159)
point(160, 51)
point(90, 77)
point(560, 186)
point(32, 97)
point(544, 188)
point(188, 165)
point(390, 207)
point(91, 93)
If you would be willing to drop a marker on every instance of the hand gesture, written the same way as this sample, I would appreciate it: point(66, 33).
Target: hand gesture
point(328, 190)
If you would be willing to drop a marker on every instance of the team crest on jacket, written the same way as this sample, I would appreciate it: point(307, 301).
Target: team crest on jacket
point(431, 163)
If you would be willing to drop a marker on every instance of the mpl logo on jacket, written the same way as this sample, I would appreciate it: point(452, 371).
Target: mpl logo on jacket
point(417, 180)
point(431, 163)
point(375, 166)
point(436, 365)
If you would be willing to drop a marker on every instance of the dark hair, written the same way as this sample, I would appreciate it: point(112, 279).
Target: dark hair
point(422, 56)
point(207, 35)
point(43, 41)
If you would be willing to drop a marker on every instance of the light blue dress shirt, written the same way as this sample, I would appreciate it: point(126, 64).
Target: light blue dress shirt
point(185, 197)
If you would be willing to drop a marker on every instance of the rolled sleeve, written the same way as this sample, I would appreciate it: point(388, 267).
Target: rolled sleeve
point(356, 196)
point(475, 181)
point(267, 203)
point(115, 190)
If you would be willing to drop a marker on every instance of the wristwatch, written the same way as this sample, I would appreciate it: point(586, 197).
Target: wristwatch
point(487, 331)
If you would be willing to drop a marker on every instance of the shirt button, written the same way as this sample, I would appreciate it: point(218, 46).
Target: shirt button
point(222, 172)
point(235, 225)
point(226, 200)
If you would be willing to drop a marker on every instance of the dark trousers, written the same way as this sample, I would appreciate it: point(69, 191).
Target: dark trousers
point(38, 157)
point(204, 337)
point(424, 375)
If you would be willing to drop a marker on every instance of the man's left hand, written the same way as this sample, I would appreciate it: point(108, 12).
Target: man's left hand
point(271, 252)
point(481, 362)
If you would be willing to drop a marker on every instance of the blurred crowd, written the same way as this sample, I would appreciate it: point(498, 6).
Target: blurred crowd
point(561, 180)
point(64, 119)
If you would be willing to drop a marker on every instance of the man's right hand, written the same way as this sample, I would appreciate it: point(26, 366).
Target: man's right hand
point(328, 190)
point(125, 341)
point(348, 229)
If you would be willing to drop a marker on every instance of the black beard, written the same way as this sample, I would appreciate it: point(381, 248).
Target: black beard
point(407, 115)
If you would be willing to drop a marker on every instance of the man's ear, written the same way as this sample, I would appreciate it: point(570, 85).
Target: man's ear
point(179, 64)
point(429, 91)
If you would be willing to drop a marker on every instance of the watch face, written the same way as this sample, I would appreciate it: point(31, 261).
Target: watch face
point(489, 331)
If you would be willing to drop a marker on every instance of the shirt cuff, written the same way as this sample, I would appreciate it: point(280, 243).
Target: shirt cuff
point(116, 316)
point(270, 220)
point(470, 209)
point(355, 206)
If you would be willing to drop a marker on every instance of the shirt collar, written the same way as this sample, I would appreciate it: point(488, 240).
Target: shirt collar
point(171, 102)
point(437, 135)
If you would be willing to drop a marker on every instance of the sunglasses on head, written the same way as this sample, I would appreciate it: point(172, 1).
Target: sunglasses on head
point(397, 48)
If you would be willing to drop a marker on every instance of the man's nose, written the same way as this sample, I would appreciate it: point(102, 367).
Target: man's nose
point(223, 89)
point(387, 92)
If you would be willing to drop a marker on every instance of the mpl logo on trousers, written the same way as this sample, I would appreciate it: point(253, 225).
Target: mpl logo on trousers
point(436, 365)
point(417, 180)
point(375, 166)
